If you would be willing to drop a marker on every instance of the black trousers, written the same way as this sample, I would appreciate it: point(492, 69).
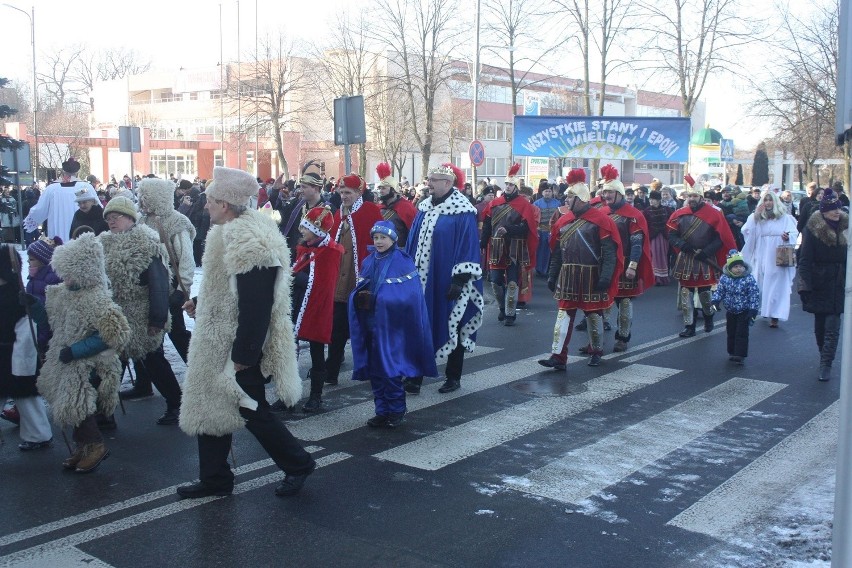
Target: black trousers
point(339, 337)
point(737, 327)
point(455, 363)
point(179, 335)
point(87, 432)
point(284, 449)
point(154, 368)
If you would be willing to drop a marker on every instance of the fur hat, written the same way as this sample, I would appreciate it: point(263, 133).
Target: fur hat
point(734, 257)
point(71, 166)
point(81, 261)
point(385, 228)
point(511, 176)
point(43, 248)
point(157, 196)
point(577, 184)
point(385, 178)
point(354, 182)
point(611, 181)
point(232, 186)
point(83, 194)
point(311, 174)
point(184, 184)
point(655, 195)
point(123, 205)
point(830, 201)
point(318, 220)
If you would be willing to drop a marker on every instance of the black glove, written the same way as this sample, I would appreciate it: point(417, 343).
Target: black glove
point(603, 284)
point(26, 300)
point(454, 293)
point(700, 255)
point(65, 355)
point(686, 247)
point(551, 285)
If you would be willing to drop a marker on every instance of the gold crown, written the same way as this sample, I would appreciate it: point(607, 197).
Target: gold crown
point(443, 170)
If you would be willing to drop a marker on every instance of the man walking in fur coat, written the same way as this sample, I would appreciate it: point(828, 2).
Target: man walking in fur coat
point(243, 334)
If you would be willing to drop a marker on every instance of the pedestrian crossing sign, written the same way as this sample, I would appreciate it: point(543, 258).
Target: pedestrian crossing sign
point(726, 150)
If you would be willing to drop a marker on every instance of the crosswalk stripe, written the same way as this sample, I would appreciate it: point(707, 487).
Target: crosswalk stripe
point(583, 472)
point(758, 486)
point(70, 557)
point(462, 441)
point(667, 347)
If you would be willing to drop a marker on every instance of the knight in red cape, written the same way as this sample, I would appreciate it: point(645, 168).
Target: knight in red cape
point(583, 272)
point(637, 272)
point(395, 209)
point(351, 229)
point(701, 237)
point(510, 237)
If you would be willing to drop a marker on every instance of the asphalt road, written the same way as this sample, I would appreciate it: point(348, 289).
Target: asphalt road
point(657, 458)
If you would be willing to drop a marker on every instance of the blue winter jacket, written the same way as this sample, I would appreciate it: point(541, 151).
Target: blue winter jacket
point(738, 293)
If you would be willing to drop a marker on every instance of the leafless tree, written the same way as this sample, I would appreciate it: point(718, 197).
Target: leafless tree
point(58, 77)
point(419, 36)
point(61, 136)
point(389, 119)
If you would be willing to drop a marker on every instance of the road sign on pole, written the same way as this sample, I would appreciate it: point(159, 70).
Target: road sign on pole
point(477, 153)
point(726, 150)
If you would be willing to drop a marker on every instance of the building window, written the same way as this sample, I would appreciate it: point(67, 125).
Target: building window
point(193, 96)
point(218, 158)
point(181, 164)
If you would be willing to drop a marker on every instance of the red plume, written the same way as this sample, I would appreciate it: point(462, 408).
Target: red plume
point(458, 173)
point(384, 170)
point(609, 172)
point(516, 167)
point(577, 175)
point(690, 181)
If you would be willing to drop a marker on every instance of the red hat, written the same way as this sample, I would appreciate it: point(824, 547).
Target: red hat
point(353, 181)
point(318, 221)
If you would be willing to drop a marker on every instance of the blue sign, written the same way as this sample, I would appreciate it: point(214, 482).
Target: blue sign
point(726, 150)
point(476, 153)
point(604, 137)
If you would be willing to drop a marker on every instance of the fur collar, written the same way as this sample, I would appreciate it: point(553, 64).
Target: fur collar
point(455, 204)
point(242, 239)
point(821, 230)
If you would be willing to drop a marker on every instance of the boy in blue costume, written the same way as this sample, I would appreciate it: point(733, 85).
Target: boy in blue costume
point(389, 326)
point(739, 292)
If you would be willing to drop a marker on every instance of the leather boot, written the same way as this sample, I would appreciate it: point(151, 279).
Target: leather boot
point(72, 461)
point(93, 455)
point(708, 323)
point(688, 331)
point(824, 373)
point(500, 298)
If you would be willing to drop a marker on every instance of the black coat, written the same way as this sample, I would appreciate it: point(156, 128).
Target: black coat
point(94, 219)
point(822, 265)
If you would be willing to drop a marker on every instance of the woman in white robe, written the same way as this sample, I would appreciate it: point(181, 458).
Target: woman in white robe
point(768, 227)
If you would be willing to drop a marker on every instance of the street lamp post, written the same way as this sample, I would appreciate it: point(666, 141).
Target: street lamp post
point(31, 17)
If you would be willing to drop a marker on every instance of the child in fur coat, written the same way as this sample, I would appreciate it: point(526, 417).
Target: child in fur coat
point(739, 292)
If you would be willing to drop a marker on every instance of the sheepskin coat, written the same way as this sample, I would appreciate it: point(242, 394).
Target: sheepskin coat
point(128, 255)
point(77, 309)
point(211, 395)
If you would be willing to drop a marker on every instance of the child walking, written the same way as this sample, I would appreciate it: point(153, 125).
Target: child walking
point(739, 292)
point(389, 326)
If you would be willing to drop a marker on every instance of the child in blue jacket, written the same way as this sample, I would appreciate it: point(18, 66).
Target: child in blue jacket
point(739, 292)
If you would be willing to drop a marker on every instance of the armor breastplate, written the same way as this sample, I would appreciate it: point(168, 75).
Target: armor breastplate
point(504, 216)
point(623, 224)
point(389, 214)
point(580, 243)
point(695, 231)
point(546, 216)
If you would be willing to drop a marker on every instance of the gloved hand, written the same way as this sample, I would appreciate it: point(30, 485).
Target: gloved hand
point(454, 293)
point(700, 255)
point(603, 284)
point(686, 247)
point(26, 300)
point(551, 285)
point(65, 355)
point(714, 307)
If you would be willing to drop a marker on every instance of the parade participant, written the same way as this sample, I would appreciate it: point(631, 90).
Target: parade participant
point(547, 206)
point(395, 209)
point(445, 247)
point(583, 272)
point(177, 233)
point(656, 216)
point(137, 267)
point(769, 227)
point(700, 235)
point(294, 210)
point(315, 273)
point(637, 272)
point(243, 339)
point(510, 239)
point(58, 204)
point(351, 229)
point(822, 271)
point(390, 326)
point(89, 218)
point(739, 292)
point(18, 353)
point(82, 370)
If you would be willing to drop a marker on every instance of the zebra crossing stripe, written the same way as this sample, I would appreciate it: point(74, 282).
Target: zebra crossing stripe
point(70, 557)
point(459, 442)
point(586, 471)
point(759, 486)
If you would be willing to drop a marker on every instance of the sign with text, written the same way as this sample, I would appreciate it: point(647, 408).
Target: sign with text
point(537, 168)
point(648, 139)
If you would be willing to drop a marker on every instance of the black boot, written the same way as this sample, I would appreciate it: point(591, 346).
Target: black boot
point(313, 405)
point(708, 323)
point(688, 331)
point(824, 373)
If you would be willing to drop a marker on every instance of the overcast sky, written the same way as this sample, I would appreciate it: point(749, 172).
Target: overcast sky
point(185, 33)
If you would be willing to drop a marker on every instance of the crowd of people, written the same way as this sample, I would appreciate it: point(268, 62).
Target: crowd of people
point(397, 270)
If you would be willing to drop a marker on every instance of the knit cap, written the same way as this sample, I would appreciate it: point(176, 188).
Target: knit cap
point(830, 201)
point(385, 228)
point(123, 205)
point(43, 248)
point(734, 257)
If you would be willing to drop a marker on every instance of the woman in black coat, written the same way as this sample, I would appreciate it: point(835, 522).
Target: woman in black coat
point(89, 218)
point(822, 275)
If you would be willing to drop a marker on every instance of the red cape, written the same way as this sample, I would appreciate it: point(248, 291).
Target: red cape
point(715, 219)
point(645, 270)
point(363, 220)
point(404, 209)
point(315, 324)
point(527, 213)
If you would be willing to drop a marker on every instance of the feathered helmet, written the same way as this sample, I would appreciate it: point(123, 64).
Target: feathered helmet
point(385, 178)
point(576, 181)
point(611, 181)
point(318, 221)
point(353, 181)
point(513, 171)
point(689, 182)
point(451, 172)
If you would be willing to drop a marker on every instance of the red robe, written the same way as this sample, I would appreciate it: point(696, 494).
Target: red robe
point(365, 214)
point(313, 319)
point(645, 270)
point(715, 219)
point(404, 209)
point(527, 212)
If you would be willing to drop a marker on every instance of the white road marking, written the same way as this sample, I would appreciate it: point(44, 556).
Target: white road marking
point(764, 482)
point(37, 554)
point(462, 441)
point(663, 348)
point(581, 473)
point(69, 557)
